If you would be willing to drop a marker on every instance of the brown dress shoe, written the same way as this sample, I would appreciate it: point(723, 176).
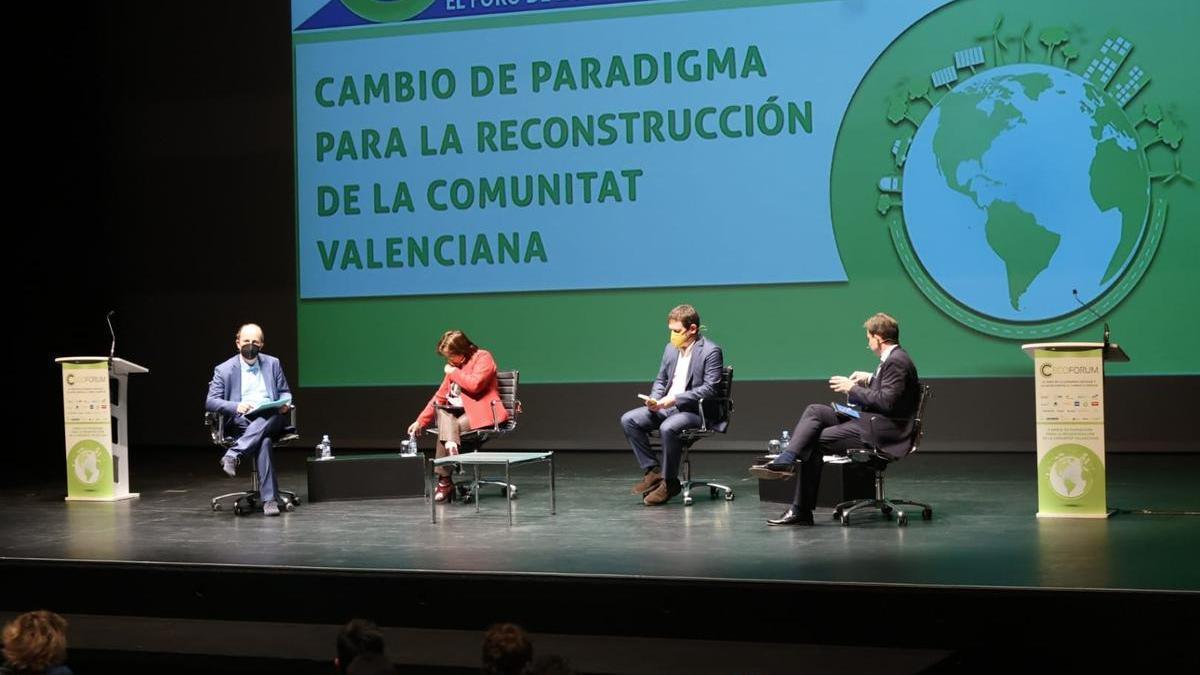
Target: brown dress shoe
point(661, 494)
point(648, 483)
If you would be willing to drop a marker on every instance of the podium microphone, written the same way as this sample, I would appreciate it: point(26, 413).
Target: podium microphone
point(1075, 293)
point(112, 350)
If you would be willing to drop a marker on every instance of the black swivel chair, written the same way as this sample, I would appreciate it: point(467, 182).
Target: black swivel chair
point(724, 400)
point(878, 461)
point(247, 501)
point(472, 441)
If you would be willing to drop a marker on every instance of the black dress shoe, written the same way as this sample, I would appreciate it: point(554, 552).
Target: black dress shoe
point(773, 471)
point(793, 516)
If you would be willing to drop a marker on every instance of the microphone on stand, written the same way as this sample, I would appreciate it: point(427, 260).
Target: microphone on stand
point(1075, 293)
point(112, 350)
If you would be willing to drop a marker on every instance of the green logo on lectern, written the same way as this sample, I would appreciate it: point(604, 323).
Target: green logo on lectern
point(1073, 475)
point(89, 468)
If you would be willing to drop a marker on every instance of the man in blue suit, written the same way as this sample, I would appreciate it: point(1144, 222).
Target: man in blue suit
point(887, 401)
point(691, 370)
point(238, 386)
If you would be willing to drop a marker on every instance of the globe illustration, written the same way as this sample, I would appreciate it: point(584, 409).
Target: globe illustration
point(1024, 183)
point(1068, 477)
point(87, 466)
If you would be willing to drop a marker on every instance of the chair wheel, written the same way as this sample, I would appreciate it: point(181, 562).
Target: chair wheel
point(901, 519)
point(238, 510)
point(845, 520)
point(296, 501)
point(515, 492)
point(289, 506)
point(712, 492)
point(687, 501)
point(729, 496)
point(837, 514)
point(926, 514)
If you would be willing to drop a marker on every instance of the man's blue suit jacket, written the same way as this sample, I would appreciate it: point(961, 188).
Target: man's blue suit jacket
point(225, 390)
point(704, 374)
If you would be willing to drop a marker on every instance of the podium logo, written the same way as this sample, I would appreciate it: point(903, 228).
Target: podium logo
point(1024, 167)
point(1071, 472)
point(88, 463)
point(1049, 369)
point(85, 379)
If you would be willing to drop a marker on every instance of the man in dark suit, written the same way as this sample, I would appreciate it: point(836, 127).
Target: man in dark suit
point(238, 386)
point(887, 400)
point(691, 370)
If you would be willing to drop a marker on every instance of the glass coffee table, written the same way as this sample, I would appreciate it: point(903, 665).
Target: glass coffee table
point(475, 460)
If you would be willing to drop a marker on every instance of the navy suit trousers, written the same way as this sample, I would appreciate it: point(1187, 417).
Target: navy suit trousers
point(255, 438)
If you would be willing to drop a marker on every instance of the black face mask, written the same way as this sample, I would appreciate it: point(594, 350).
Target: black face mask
point(250, 351)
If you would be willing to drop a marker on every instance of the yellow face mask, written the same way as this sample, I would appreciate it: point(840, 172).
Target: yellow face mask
point(678, 339)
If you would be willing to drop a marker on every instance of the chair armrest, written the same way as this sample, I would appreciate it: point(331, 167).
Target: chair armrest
point(215, 422)
point(704, 418)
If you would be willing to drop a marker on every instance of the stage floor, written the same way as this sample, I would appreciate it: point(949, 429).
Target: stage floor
point(983, 533)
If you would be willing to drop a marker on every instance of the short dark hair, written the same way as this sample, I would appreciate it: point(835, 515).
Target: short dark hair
point(686, 315)
point(357, 637)
point(506, 649)
point(883, 326)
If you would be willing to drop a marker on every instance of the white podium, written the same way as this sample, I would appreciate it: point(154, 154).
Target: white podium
point(1069, 412)
point(97, 460)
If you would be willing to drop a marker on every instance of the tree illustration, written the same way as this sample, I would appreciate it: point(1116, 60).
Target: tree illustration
point(1152, 113)
point(919, 89)
point(898, 110)
point(1053, 37)
point(885, 204)
point(1070, 52)
point(1169, 133)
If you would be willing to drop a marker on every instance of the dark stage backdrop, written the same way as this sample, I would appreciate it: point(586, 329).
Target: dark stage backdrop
point(161, 185)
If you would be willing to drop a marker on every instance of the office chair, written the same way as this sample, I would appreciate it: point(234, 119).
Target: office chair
point(472, 441)
point(689, 437)
point(247, 501)
point(878, 461)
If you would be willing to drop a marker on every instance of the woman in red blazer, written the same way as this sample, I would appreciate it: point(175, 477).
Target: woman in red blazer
point(468, 399)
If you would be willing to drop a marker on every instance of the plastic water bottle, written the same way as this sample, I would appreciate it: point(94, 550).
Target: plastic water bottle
point(784, 437)
point(408, 448)
point(324, 448)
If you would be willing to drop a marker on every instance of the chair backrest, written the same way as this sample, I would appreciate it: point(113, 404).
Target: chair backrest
point(725, 394)
point(918, 430)
point(507, 381)
point(724, 400)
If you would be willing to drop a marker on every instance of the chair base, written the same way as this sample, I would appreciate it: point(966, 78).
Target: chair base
point(248, 501)
point(886, 506)
point(468, 491)
point(714, 489)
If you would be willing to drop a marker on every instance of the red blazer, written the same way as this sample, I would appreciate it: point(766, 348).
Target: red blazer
point(480, 389)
